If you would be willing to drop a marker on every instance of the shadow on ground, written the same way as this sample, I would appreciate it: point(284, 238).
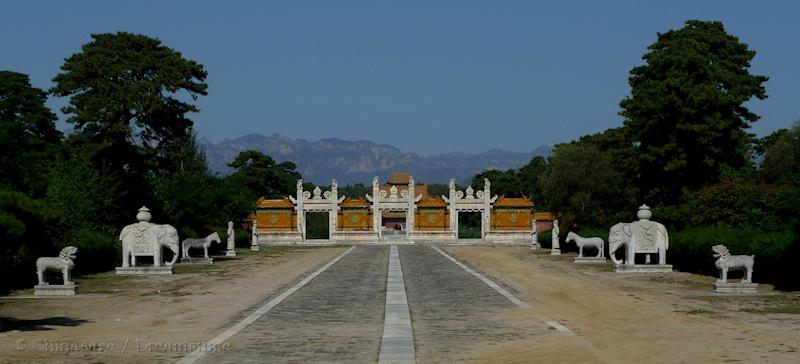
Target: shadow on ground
point(9, 324)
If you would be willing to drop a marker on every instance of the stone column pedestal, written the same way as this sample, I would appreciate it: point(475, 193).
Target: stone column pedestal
point(735, 287)
point(555, 251)
point(590, 260)
point(230, 253)
point(55, 290)
point(255, 248)
point(168, 269)
point(197, 260)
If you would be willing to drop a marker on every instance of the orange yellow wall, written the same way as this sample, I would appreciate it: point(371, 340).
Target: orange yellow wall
point(513, 219)
point(276, 220)
point(431, 219)
point(355, 220)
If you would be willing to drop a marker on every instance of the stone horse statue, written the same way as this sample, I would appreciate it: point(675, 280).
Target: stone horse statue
point(582, 242)
point(199, 243)
point(62, 262)
point(146, 239)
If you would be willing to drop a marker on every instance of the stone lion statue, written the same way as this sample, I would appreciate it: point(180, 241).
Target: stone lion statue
point(726, 261)
point(62, 262)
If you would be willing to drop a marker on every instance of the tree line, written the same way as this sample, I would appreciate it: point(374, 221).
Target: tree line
point(684, 149)
point(132, 145)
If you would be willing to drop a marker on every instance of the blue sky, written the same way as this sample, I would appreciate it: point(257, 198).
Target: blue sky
point(425, 76)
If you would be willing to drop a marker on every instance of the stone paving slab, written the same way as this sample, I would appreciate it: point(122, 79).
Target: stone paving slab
point(452, 310)
point(337, 317)
point(397, 344)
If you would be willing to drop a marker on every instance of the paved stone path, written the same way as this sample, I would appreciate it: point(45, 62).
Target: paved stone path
point(451, 309)
point(397, 343)
point(337, 317)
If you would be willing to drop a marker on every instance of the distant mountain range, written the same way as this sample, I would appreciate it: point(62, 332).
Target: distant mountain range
point(358, 161)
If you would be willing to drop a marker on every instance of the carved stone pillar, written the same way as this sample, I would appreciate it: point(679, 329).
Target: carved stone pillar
point(301, 215)
point(411, 204)
point(487, 208)
point(376, 209)
point(333, 214)
point(452, 203)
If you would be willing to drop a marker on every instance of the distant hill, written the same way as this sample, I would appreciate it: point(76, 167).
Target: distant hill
point(358, 161)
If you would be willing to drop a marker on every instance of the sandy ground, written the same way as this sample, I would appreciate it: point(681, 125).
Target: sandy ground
point(666, 318)
point(138, 319)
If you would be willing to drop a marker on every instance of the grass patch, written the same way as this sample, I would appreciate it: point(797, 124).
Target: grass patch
point(699, 311)
point(788, 309)
point(195, 268)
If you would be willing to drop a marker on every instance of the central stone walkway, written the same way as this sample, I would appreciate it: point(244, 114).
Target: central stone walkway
point(337, 317)
point(452, 310)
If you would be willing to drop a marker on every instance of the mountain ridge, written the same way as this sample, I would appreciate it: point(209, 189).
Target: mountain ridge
point(358, 161)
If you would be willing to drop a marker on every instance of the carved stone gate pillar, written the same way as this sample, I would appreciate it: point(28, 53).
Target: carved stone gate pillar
point(376, 209)
point(301, 214)
point(411, 205)
point(333, 214)
point(452, 204)
point(486, 214)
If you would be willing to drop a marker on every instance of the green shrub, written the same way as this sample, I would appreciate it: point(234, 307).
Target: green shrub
point(98, 251)
point(690, 251)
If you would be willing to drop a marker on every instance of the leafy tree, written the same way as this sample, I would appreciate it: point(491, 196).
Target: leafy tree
point(686, 110)
point(581, 183)
point(504, 183)
point(127, 100)
point(357, 190)
point(28, 136)
point(23, 233)
point(529, 180)
point(781, 152)
point(262, 176)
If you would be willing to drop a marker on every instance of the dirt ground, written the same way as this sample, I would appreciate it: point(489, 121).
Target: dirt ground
point(146, 319)
point(664, 318)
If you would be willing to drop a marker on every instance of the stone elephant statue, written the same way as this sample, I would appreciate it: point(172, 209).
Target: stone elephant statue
point(647, 237)
point(618, 236)
point(146, 239)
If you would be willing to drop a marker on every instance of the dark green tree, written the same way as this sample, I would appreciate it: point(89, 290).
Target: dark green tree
point(28, 142)
point(686, 110)
point(128, 101)
point(357, 190)
point(529, 181)
point(781, 152)
point(581, 184)
point(28, 136)
point(262, 176)
point(504, 183)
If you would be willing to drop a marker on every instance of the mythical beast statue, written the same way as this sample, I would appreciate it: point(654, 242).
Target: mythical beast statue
point(726, 261)
point(63, 262)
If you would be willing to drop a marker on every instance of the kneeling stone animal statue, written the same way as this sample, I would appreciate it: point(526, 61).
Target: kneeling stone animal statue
point(62, 262)
point(726, 261)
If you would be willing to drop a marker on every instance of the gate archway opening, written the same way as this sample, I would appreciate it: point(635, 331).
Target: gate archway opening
point(317, 225)
point(469, 225)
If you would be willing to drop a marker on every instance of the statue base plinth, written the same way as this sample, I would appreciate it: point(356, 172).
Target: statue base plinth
point(55, 290)
point(735, 287)
point(255, 248)
point(555, 251)
point(230, 253)
point(590, 260)
point(643, 268)
point(145, 270)
point(534, 246)
point(198, 260)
